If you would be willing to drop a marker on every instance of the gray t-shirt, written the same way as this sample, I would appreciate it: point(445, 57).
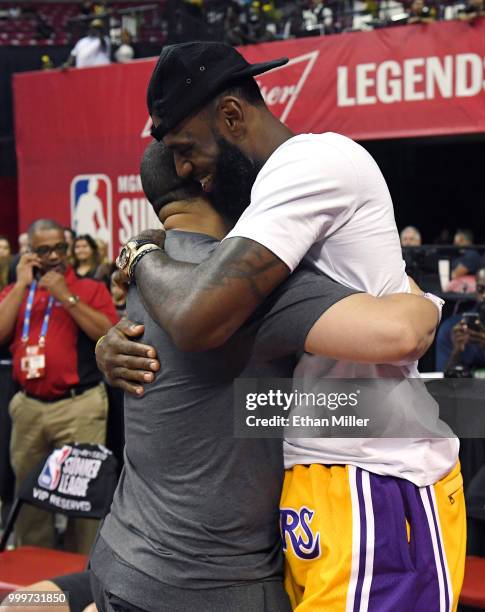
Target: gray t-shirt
point(195, 507)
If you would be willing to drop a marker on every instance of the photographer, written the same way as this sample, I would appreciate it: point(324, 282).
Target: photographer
point(461, 337)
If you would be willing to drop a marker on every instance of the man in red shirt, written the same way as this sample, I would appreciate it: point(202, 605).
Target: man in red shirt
point(53, 319)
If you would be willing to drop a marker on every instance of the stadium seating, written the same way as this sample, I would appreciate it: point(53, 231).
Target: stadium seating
point(32, 24)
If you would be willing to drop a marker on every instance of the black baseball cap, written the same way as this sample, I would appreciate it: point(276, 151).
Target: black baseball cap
point(188, 75)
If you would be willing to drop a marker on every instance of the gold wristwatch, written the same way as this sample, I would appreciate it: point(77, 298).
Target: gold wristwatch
point(132, 252)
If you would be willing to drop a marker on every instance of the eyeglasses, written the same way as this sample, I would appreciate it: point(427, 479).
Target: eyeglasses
point(44, 251)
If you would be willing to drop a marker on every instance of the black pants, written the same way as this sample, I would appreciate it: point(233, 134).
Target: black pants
point(254, 597)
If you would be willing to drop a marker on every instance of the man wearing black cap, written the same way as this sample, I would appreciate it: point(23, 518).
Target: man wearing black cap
point(317, 197)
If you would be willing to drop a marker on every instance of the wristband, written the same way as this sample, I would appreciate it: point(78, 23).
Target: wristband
point(438, 302)
point(99, 342)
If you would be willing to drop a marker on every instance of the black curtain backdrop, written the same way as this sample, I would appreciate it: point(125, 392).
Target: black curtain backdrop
point(435, 183)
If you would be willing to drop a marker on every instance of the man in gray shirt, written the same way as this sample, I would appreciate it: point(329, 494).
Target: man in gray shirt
point(194, 521)
point(196, 508)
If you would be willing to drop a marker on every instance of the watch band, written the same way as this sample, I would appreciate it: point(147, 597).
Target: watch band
point(129, 252)
point(141, 252)
point(139, 243)
point(437, 301)
point(72, 300)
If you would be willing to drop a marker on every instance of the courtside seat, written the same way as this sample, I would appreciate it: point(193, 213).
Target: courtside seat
point(26, 565)
point(473, 591)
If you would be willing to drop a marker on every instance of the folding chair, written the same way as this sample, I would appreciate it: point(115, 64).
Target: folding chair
point(77, 480)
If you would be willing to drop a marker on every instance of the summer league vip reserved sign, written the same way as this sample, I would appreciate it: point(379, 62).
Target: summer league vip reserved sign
point(76, 479)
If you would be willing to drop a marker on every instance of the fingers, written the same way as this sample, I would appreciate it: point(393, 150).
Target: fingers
point(118, 346)
point(137, 363)
point(126, 328)
point(129, 328)
point(120, 279)
point(476, 336)
point(156, 236)
point(126, 386)
point(139, 376)
point(30, 258)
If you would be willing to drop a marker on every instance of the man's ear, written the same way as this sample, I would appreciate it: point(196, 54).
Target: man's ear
point(231, 117)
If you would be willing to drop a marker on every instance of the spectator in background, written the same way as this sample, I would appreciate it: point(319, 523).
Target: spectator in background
point(23, 243)
point(69, 236)
point(469, 262)
point(87, 8)
point(473, 10)
point(88, 261)
point(419, 13)
point(410, 236)
point(86, 256)
point(94, 49)
point(102, 251)
point(62, 398)
point(232, 25)
point(5, 261)
point(125, 52)
point(315, 16)
point(456, 343)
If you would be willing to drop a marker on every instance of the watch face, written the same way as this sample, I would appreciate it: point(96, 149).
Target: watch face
point(123, 258)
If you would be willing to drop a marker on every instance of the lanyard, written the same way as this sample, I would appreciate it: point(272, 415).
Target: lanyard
point(28, 313)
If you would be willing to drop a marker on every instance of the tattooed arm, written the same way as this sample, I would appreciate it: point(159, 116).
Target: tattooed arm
point(201, 306)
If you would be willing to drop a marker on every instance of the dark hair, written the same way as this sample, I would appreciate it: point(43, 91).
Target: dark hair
point(94, 247)
point(159, 178)
point(43, 224)
point(2, 237)
point(245, 88)
point(71, 231)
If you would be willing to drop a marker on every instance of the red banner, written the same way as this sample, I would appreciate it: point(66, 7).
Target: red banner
point(80, 133)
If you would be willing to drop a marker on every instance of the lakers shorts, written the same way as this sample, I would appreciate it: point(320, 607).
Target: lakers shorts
point(357, 542)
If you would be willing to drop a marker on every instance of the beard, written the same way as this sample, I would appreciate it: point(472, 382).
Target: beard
point(234, 177)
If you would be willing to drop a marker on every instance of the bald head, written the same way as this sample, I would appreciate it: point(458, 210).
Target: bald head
point(410, 236)
point(159, 178)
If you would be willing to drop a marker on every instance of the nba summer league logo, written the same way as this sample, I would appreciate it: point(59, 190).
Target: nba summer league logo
point(51, 472)
point(91, 207)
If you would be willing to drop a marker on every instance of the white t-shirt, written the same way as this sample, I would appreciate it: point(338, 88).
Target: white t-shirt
point(88, 52)
point(322, 198)
point(124, 53)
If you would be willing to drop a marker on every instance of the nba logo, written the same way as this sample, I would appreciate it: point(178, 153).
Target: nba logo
point(91, 207)
point(52, 470)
